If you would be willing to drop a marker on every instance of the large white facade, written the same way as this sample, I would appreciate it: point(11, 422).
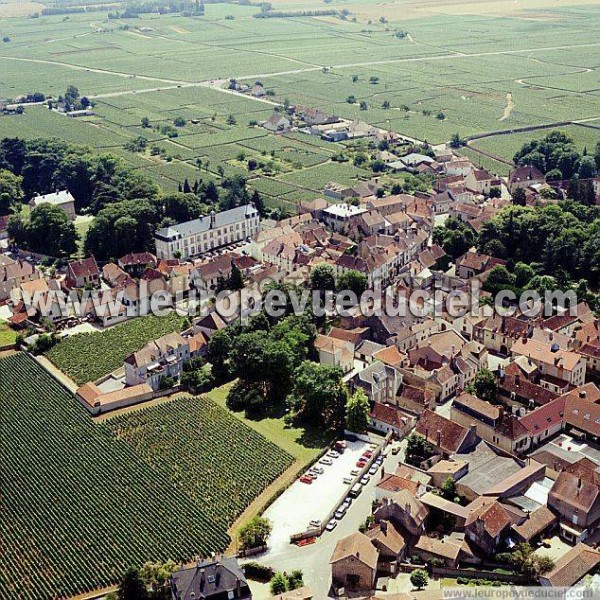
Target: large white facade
point(202, 235)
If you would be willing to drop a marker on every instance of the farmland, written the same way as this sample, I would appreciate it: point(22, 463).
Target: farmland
point(88, 356)
point(446, 73)
point(223, 482)
point(82, 501)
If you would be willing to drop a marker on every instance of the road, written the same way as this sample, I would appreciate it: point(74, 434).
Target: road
point(313, 560)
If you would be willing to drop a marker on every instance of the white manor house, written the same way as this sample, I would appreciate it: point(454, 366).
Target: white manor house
point(206, 233)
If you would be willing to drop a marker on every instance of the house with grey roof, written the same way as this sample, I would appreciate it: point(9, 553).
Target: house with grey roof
point(212, 231)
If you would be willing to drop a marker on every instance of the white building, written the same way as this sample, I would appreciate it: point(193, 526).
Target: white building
point(202, 235)
point(62, 199)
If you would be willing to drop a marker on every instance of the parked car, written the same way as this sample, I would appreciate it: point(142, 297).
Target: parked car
point(348, 480)
point(331, 525)
point(315, 523)
point(326, 461)
point(365, 479)
point(305, 479)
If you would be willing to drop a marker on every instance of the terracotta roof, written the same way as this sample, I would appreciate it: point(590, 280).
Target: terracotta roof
point(387, 535)
point(357, 545)
point(85, 267)
point(452, 435)
point(576, 492)
point(390, 415)
point(444, 548)
point(544, 417)
point(573, 566)
point(536, 522)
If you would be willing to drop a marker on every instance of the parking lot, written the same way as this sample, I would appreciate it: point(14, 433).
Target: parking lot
point(301, 503)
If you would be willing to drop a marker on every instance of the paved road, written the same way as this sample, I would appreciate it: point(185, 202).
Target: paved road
point(314, 559)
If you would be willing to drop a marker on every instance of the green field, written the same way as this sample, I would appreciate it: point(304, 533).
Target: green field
point(452, 74)
point(81, 502)
point(88, 356)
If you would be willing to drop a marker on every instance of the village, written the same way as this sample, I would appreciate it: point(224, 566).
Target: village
point(481, 461)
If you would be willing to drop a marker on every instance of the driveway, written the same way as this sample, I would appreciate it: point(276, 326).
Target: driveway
point(313, 560)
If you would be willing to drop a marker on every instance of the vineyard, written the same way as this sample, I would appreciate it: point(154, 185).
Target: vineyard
point(205, 452)
point(79, 505)
point(88, 356)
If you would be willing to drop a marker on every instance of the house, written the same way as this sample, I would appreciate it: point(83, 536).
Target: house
point(577, 502)
point(487, 524)
point(572, 567)
point(380, 382)
point(13, 273)
point(388, 541)
point(446, 436)
point(582, 412)
point(334, 352)
point(63, 199)
point(158, 359)
point(525, 176)
point(277, 123)
point(428, 548)
point(474, 263)
point(83, 272)
point(392, 483)
point(545, 421)
point(491, 423)
point(215, 579)
point(556, 366)
point(136, 263)
point(339, 216)
point(386, 418)
point(535, 526)
point(405, 511)
point(207, 233)
point(354, 562)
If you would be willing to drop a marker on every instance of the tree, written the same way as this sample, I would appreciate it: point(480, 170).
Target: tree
point(11, 192)
point(217, 354)
point(518, 197)
point(418, 449)
point(358, 412)
point(319, 395)
point(448, 489)
point(51, 231)
point(419, 578)
point(255, 533)
point(131, 586)
point(354, 281)
point(279, 584)
point(322, 278)
point(485, 385)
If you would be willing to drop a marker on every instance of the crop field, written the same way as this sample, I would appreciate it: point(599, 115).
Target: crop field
point(88, 356)
point(222, 483)
point(454, 72)
point(82, 502)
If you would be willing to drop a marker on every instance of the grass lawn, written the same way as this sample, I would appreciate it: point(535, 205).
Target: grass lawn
point(7, 335)
point(304, 445)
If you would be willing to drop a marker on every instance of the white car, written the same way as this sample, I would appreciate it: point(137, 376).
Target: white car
point(331, 525)
point(326, 461)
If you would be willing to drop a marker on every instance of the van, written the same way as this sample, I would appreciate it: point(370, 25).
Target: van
point(356, 490)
